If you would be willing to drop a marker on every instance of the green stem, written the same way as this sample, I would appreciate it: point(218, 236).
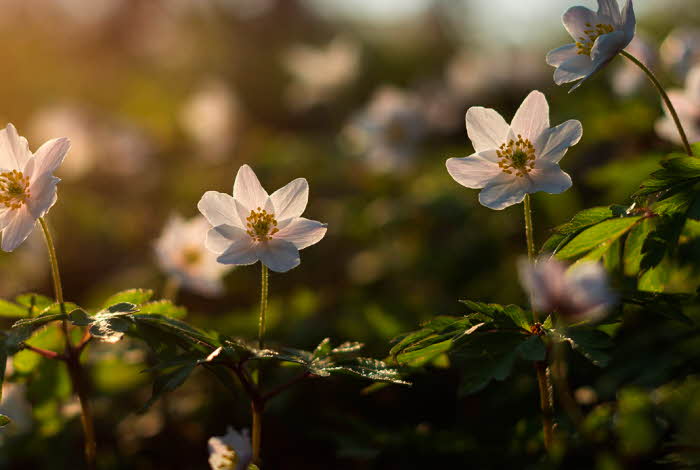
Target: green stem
point(666, 99)
point(72, 356)
point(544, 380)
point(257, 405)
point(264, 285)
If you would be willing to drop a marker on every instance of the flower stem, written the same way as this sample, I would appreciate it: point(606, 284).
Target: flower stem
point(264, 285)
point(666, 99)
point(544, 380)
point(72, 356)
point(258, 406)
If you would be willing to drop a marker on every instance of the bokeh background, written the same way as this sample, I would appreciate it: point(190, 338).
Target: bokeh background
point(165, 99)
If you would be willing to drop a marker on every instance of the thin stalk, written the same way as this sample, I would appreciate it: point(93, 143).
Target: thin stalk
point(544, 380)
point(666, 99)
point(257, 406)
point(72, 356)
point(264, 285)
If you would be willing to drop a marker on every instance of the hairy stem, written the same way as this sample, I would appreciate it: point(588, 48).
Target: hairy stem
point(264, 286)
point(258, 406)
point(72, 356)
point(666, 99)
point(544, 380)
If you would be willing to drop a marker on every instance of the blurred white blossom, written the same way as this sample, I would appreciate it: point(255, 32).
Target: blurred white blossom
point(14, 405)
point(687, 105)
point(210, 117)
point(181, 253)
point(580, 293)
point(388, 131)
point(319, 73)
point(232, 451)
point(680, 51)
point(627, 77)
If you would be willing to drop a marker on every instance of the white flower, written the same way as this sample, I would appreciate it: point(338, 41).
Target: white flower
point(320, 72)
point(680, 51)
point(511, 161)
point(231, 451)
point(580, 293)
point(389, 129)
point(181, 253)
point(687, 104)
point(598, 37)
point(253, 225)
point(27, 184)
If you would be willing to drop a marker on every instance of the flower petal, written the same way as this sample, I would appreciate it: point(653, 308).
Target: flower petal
point(588, 286)
point(278, 255)
point(14, 149)
point(532, 117)
point(302, 232)
point(18, 229)
point(561, 54)
point(548, 177)
point(50, 156)
point(554, 142)
point(475, 171)
point(575, 20)
point(486, 128)
point(543, 281)
point(241, 252)
point(629, 22)
point(504, 191)
point(221, 237)
point(247, 189)
point(43, 195)
point(219, 209)
point(290, 200)
point(573, 69)
point(609, 9)
point(606, 47)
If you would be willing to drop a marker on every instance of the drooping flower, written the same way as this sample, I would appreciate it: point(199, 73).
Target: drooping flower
point(181, 254)
point(388, 130)
point(27, 184)
point(253, 225)
point(231, 451)
point(687, 104)
point(598, 38)
point(516, 159)
point(579, 293)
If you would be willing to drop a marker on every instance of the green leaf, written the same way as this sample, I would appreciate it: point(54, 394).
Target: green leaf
point(163, 307)
point(166, 383)
point(533, 349)
point(132, 296)
point(419, 357)
point(667, 305)
point(605, 232)
point(9, 309)
point(34, 302)
point(683, 166)
point(591, 343)
point(633, 247)
point(520, 317)
point(4, 421)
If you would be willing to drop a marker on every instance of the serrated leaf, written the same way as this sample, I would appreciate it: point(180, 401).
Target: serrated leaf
point(520, 317)
point(165, 308)
point(591, 343)
point(683, 165)
point(323, 349)
point(132, 296)
point(633, 247)
point(9, 309)
point(371, 369)
point(419, 357)
point(604, 232)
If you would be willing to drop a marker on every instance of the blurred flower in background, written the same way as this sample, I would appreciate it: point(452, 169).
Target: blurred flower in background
point(181, 255)
point(319, 73)
point(388, 131)
point(627, 77)
point(680, 51)
point(232, 451)
point(687, 104)
point(15, 405)
point(210, 117)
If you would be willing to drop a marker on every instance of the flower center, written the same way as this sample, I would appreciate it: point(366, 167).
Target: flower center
point(585, 43)
point(261, 225)
point(14, 189)
point(517, 156)
point(191, 255)
point(227, 460)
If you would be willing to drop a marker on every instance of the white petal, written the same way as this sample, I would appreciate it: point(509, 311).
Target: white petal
point(221, 237)
point(278, 255)
point(290, 200)
point(6, 216)
point(504, 191)
point(544, 282)
point(475, 171)
point(606, 47)
point(532, 116)
point(548, 177)
point(302, 232)
point(18, 229)
point(486, 128)
point(575, 20)
point(609, 9)
point(554, 142)
point(50, 156)
point(560, 55)
point(629, 22)
point(14, 150)
point(573, 69)
point(43, 195)
point(219, 209)
point(240, 252)
point(247, 189)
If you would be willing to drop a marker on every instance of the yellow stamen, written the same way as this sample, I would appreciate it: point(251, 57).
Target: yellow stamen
point(261, 225)
point(14, 189)
point(585, 43)
point(516, 157)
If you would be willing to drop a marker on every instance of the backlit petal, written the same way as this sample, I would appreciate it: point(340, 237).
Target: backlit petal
point(14, 149)
point(219, 209)
point(240, 252)
point(43, 195)
point(560, 55)
point(573, 69)
point(50, 156)
point(248, 190)
point(532, 117)
point(221, 237)
point(18, 229)
point(576, 19)
point(302, 232)
point(548, 177)
point(290, 200)
point(278, 255)
point(504, 191)
point(474, 171)
point(486, 128)
point(554, 142)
